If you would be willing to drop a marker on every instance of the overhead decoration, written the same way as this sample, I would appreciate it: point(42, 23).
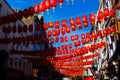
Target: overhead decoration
point(60, 2)
point(42, 7)
point(47, 5)
point(53, 4)
point(85, 20)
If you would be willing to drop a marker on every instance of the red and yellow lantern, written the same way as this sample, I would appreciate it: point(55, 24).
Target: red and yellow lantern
point(42, 7)
point(36, 8)
point(100, 16)
point(92, 19)
point(57, 25)
point(106, 13)
point(64, 23)
point(85, 20)
point(53, 4)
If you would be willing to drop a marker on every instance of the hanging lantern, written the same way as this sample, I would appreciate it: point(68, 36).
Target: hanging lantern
point(20, 14)
point(54, 33)
point(106, 14)
point(92, 19)
point(49, 33)
point(42, 7)
point(31, 28)
point(63, 31)
point(66, 47)
point(83, 36)
point(37, 26)
point(112, 29)
point(70, 45)
point(72, 21)
point(68, 29)
point(58, 32)
point(100, 16)
point(94, 35)
point(78, 43)
point(57, 25)
point(58, 48)
point(19, 29)
point(91, 39)
point(72, 38)
point(36, 8)
point(9, 29)
point(64, 23)
point(105, 32)
point(73, 27)
point(88, 35)
point(14, 29)
point(109, 31)
point(50, 24)
point(45, 26)
point(53, 4)
point(60, 2)
point(78, 22)
point(100, 33)
point(63, 47)
point(26, 13)
point(25, 28)
point(83, 41)
point(76, 37)
point(75, 44)
point(66, 38)
point(31, 11)
point(85, 21)
point(47, 5)
point(80, 26)
point(61, 39)
point(112, 14)
point(56, 39)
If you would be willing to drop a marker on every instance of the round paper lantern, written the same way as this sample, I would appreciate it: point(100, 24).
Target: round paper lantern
point(9, 29)
point(60, 2)
point(92, 19)
point(83, 41)
point(76, 37)
point(36, 8)
point(83, 36)
point(105, 32)
point(25, 28)
point(73, 27)
point(31, 28)
point(72, 21)
point(52, 40)
point(14, 29)
point(78, 20)
point(53, 4)
point(57, 25)
point(42, 7)
point(56, 39)
point(19, 28)
point(63, 47)
point(70, 45)
point(112, 29)
point(49, 33)
point(61, 39)
point(100, 16)
point(85, 20)
point(72, 38)
point(80, 26)
point(37, 26)
point(58, 32)
point(88, 35)
point(94, 35)
point(63, 31)
point(66, 38)
point(45, 26)
point(100, 33)
point(50, 24)
point(68, 29)
point(47, 5)
point(64, 23)
point(106, 13)
point(31, 11)
point(54, 33)
point(112, 14)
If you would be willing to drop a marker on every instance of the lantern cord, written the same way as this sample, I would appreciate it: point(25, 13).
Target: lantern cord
point(95, 12)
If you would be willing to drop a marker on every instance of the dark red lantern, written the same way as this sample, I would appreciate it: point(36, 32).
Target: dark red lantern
point(57, 25)
point(25, 12)
point(31, 28)
point(37, 26)
point(83, 41)
point(88, 35)
point(112, 14)
point(14, 29)
point(100, 16)
point(72, 21)
point(85, 20)
point(42, 7)
point(49, 33)
point(58, 32)
point(45, 26)
point(56, 39)
point(54, 33)
point(36, 8)
point(19, 28)
point(25, 28)
point(31, 11)
point(106, 13)
point(70, 45)
point(92, 19)
point(61, 39)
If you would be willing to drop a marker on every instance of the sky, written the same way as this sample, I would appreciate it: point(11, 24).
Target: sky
point(79, 8)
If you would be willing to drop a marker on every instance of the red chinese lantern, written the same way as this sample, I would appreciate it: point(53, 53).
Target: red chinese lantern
point(78, 22)
point(83, 41)
point(112, 14)
point(31, 11)
point(54, 33)
point(68, 29)
point(106, 13)
point(100, 16)
point(20, 14)
point(83, 36)
point(36, 8)
point(61, 39)
point(56, 39)
point(91, 38)
point(42, 7)
point(63, 47)
point(109, 31)
point(37, 26)
point(57, 25)
point(14, 29)
point(45, 26)
point(72, 21)
point(58, 32)
point(72, 38)
point(92, 19)
point(49, 33)
point(53, 3)
point(80, 26)
point(94, 36)
point(50, 24)
point(58, 48)
point(76, 37)
point(60, 2)
point(25, 28)
point(89, 78)
point(19, 29)
point(75, 44)
point(112, 29)
point(85, 20)
point(47, 5)
point(100, 33)
point(70, 45)
point(64, 23)
point(73, 27)
point(105, 32)
point(63, 31)
point(31, 28)
point(66, 38)
point(88, 35)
